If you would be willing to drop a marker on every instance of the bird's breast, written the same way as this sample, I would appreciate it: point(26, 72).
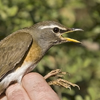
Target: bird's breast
point(34, 54)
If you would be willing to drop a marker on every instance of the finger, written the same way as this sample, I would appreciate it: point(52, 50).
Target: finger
point(16, 92)
point(37, 88)
point(3, 97)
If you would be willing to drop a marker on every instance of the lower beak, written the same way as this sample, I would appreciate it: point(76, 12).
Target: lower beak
point(69, 39)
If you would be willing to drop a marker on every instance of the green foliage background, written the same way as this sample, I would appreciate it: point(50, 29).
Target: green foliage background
point(82, 61)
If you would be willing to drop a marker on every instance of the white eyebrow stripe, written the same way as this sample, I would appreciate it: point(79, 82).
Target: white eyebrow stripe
point(51, 26)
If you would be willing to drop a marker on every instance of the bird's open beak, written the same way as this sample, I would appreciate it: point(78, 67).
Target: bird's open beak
point(68, 31)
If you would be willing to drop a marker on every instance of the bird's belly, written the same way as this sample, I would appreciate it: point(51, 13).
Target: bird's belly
point(15, 76)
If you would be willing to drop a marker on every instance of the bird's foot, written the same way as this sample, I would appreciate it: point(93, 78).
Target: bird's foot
point(56, 72)
point(59, 81)
point(63, 83)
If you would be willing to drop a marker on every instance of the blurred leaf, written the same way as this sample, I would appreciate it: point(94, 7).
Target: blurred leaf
point(12, 11)
point(78, 97)
point(92, 93)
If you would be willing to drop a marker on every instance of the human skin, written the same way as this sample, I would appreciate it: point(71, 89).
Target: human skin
point(33, 87)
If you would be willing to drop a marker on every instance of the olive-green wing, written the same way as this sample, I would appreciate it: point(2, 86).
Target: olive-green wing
point(12, 50)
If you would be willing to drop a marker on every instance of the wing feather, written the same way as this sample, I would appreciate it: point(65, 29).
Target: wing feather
point(12, 50)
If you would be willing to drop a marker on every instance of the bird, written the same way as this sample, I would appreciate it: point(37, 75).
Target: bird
point(21, 51)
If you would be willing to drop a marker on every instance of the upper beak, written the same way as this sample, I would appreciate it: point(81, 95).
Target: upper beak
point(68, 31)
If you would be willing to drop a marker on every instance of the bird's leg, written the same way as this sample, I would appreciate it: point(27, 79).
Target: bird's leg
point(59, 81)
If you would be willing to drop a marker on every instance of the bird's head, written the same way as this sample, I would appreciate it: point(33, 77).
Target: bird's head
point(50, 33)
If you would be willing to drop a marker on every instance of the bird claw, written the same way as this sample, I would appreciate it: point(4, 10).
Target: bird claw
point(59, 81)
point(63, 83)
point(56, 72)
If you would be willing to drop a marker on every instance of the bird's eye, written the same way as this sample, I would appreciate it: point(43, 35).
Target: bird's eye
point(56, 29)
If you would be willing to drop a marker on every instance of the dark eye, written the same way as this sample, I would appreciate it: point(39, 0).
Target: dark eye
point(56, 29)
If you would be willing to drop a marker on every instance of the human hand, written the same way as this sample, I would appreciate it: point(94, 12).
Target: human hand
point(34, 87)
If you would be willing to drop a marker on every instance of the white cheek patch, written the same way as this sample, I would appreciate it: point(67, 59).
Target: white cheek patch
point(51, 26)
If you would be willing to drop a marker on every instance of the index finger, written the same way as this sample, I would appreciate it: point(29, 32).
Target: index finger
point(37, 88)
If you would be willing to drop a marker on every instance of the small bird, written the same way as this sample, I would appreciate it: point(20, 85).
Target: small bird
point(21, 51)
